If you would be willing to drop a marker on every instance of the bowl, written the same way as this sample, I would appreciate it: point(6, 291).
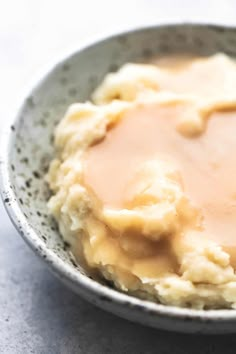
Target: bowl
point(27, 149)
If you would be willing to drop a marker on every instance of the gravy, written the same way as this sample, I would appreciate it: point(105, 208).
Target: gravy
point(207, 163)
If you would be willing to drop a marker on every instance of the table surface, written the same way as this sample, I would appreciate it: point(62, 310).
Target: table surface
point(37, 313)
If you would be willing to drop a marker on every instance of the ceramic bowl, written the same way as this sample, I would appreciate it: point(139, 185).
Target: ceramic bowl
point(27, 149)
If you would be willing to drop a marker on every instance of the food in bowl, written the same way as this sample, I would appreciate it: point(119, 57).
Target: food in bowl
point(143, 181)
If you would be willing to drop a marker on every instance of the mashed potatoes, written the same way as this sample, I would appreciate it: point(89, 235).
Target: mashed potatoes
point(144, 181)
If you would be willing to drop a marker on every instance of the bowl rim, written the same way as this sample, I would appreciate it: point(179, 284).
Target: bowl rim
point(65, 271)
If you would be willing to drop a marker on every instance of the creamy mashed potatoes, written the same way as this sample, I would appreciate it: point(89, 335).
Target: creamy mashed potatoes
point(144, 180)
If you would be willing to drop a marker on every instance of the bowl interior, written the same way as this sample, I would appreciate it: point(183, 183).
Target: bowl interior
point(73, 79)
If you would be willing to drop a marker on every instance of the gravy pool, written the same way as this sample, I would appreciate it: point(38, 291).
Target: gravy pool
point(207, 163)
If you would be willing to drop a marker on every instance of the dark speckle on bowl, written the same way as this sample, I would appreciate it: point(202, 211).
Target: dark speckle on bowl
point(113, 67)
point(42, 122)
point(93, 82)
point(164, 48)
point(51, 139)
point(105, 298)
point(25, 160)
point(63, 80)
point(46, 114)
point(30, 102)
point(72, 92)
point(36, 174)
point(122, 40)
point(181, 37)
point(65, 67)
point(73, 262)
point(217, 28)
point(66, 246)
point(199, 42)
point(28, 182)
point(147, 53)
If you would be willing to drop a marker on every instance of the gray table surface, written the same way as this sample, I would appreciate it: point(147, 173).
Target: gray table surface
point(37, 313)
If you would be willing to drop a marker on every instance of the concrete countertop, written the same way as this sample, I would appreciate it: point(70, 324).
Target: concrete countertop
point(37, 313)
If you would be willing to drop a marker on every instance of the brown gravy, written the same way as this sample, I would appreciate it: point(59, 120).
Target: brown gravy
point(207, 163)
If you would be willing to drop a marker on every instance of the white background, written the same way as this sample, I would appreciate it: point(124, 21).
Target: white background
point(34, 32)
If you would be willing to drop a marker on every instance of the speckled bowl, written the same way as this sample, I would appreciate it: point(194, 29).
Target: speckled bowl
point(27, 149)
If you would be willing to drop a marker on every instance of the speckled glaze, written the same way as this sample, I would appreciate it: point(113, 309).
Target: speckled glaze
point(27, 149)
